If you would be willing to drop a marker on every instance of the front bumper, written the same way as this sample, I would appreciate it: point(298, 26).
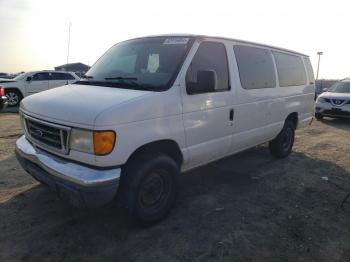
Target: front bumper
point(81, 185)
point(327, 109)
point(3, 102)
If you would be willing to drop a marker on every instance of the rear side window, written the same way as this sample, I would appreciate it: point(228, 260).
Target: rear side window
point(309, 70)
point(61, 76)
point(255, 66)
point(41, 77)
point(210, 56)
point(290, 68)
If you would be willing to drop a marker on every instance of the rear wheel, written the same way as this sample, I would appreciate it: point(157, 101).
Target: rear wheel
point(318, 116)
point(13, 96)
point(150, 187)
point(282, 145)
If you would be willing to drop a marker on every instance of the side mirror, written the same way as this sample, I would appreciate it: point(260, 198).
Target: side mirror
point(29, 78)
point(325, 89)
point(206, 82)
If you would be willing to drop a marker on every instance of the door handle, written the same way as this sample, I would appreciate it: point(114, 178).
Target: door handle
point(232, 114)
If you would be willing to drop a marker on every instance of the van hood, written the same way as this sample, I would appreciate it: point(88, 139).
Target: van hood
point(78, 105)
point(333, 95)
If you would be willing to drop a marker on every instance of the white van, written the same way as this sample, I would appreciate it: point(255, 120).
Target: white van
point(151, 108)
point(30, 83)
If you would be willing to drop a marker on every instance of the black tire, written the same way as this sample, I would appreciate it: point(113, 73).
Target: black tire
point(282, 145)
point(150, 187)
point(318, 116)
point(14, 97)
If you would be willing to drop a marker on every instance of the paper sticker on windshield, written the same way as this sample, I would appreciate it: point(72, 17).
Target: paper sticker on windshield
point(176, 41)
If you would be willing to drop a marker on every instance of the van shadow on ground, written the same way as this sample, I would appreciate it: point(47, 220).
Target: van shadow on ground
point(248, 207)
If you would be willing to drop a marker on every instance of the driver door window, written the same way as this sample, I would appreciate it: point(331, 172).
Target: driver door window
point(210, 56)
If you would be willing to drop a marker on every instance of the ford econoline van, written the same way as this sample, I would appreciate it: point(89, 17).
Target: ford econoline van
point(154, 107)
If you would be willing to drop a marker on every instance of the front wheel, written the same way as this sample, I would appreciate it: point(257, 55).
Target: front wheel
point(14, 97)
point(150, 187)
point(318, 116)
point(282, 145)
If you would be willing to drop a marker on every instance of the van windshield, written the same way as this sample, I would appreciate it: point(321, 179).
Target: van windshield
point(340, 87)
point(145, 64)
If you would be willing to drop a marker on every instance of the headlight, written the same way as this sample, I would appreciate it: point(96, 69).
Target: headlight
point(321, 100)
point(82, 140)
point(92, 142)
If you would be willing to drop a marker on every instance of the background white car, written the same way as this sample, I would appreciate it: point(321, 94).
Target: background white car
point(33, 82)
point(335, 102)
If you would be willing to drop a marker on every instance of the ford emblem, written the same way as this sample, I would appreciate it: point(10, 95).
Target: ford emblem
point(38, 132)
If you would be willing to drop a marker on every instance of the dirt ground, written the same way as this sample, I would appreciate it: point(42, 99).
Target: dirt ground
point(248, 207)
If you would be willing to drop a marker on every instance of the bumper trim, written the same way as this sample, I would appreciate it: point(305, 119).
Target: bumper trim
point(334, 116)
point(66, 170)
point(328, 111)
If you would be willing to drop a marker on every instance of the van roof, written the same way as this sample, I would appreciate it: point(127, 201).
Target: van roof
point(226, 38)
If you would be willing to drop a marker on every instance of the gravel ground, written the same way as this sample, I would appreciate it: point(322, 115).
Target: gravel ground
point(248, 207)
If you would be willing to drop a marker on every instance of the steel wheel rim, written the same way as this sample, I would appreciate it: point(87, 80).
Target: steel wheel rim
point(287, 139)
point(153, 191)
point(12, 98)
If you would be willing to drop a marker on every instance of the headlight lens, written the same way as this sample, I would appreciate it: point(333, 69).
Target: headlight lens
point(93, 142)
point(321, 100)
point(82, 140)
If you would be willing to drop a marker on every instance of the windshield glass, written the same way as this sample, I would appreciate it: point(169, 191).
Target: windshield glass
point(21, 76)
point(147, 64)
point(340, 87)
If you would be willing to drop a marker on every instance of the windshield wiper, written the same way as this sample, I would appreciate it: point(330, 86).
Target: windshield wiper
point(124, 80)
point(144, 87)
point(120, 78)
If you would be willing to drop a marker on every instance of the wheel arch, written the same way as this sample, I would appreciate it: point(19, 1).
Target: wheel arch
point(14, 89)
point(166, 146)
point(293, 117)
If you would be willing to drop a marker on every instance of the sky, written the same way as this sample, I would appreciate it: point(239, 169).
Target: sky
point(34, 33)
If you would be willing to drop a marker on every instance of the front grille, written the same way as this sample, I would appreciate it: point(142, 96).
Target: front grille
point(47, 135)
point(335, 112)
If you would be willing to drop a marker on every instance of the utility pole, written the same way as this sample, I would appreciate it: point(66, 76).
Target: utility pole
point(319, 53)
point(68, 41)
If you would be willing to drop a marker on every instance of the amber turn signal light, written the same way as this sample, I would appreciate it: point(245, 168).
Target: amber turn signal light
point(103, 142)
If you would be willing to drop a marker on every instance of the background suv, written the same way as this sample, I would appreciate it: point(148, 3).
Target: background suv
point(335, 102)
point(33, 82)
